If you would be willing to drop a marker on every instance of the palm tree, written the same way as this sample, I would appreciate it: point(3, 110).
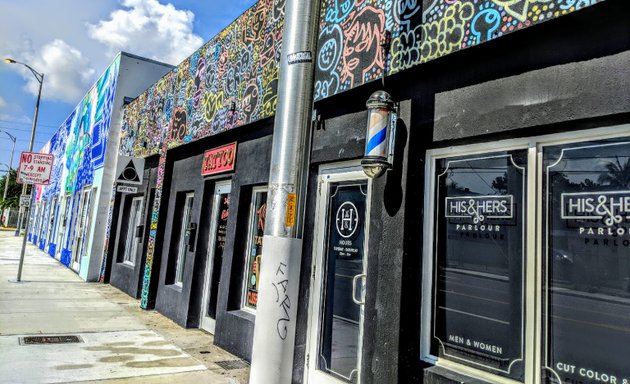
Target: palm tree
point(618, 175)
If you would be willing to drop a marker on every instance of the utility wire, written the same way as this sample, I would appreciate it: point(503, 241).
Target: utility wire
point(20, 123)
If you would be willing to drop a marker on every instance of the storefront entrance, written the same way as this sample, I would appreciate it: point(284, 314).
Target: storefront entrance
point(339, 262)
point(216, 244)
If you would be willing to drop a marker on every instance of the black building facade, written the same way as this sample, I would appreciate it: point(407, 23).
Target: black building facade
point(495, 249)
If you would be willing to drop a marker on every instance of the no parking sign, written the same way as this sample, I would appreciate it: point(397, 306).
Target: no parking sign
point(35, 168)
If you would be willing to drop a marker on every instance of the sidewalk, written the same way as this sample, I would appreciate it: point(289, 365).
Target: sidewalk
point(119, 342)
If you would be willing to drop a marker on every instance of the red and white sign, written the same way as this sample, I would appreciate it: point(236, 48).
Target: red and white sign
point(35, 168)
point(218, 160)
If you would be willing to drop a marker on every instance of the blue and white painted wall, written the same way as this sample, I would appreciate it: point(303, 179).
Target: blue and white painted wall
point(68, 219)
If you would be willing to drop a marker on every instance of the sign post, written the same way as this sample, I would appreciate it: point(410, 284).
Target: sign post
point(35, 168)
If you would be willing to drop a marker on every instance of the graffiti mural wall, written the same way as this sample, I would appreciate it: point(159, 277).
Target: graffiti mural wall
point(351, 31)
point(79, 148)
point(230, 81)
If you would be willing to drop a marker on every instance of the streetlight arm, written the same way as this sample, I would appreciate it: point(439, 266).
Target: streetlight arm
point(38, 76)
point(13, 138)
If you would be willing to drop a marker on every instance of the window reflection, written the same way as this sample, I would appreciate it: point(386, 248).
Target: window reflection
point(479, 258)
point(586, 320)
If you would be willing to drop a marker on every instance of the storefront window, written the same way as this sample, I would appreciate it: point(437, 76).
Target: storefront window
point(528, 275)
point(257, 215)
point(586, 324)
point(478, 281)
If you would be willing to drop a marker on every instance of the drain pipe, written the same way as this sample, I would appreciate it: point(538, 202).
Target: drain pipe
point(276, 313)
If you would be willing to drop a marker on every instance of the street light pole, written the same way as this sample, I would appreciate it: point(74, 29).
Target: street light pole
point(6, 183)
point(40, 78)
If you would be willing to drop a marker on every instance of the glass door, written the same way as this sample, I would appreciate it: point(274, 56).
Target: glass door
point(216, 243)
point(336, 305)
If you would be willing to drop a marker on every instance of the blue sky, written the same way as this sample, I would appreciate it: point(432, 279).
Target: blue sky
point(73, 41)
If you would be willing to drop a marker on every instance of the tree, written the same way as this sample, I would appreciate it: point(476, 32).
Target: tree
point(13, 193)
point(500, 184)
point(618, 175)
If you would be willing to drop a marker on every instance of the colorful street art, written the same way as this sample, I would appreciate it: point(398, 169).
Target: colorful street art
point(229, 82)
point(352, 31)
point(79, 147)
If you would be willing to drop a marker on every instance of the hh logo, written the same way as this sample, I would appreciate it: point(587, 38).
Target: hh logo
point(479, 208)
point(347, 219)
point(610, 207)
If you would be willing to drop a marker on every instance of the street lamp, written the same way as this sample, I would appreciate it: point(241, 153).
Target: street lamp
point(6, 184)
point(40, 78)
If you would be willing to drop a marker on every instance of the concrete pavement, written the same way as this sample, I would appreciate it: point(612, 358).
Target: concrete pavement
point(119, 342)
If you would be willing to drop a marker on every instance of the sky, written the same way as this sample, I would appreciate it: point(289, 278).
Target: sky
point(73, 41)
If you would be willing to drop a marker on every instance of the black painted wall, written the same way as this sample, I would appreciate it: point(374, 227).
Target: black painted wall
point(234, 326)
point(173, 300)
point(565, 74)
point(125, 277)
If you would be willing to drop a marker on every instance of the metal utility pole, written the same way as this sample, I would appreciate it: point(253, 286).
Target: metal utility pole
point(274, 332)
point(40, 79)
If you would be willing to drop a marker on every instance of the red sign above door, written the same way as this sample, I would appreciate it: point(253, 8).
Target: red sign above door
point(218, 160)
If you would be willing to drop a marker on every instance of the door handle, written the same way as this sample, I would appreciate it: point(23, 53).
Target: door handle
point(356, 278)
point(192, 234)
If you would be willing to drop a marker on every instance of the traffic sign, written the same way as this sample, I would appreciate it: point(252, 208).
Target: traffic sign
point(35, 168)
point(25, 201)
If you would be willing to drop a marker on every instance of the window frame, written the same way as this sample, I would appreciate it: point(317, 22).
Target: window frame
point(133, 242)
point(251, 227)
point(534, 243)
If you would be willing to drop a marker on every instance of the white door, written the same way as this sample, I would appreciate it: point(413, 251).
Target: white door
point(81, 229)
point(133, 236)
point(62, 226)
point(54, 212)
point(339, 276)
point(216, 244)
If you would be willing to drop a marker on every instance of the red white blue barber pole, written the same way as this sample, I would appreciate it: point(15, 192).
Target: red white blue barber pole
point(379, 134)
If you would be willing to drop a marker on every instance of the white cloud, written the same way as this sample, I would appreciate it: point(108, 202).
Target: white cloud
point(67, 72)
point(148, 28)
point(13, 118)
point(3, 102)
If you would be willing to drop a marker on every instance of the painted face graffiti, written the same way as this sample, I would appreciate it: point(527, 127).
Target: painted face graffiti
point(179, 125)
